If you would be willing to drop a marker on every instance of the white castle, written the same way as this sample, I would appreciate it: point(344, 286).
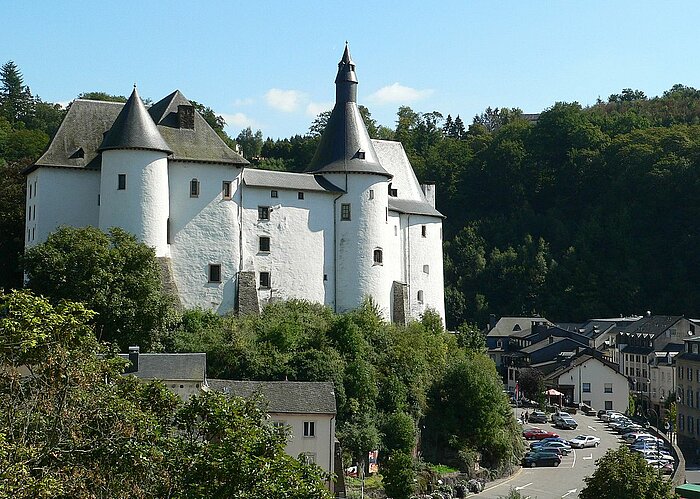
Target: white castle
point(230, 237)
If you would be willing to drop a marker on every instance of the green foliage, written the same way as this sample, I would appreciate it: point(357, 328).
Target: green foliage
point(471, 338)
point(531, 383)
point(622, 474)
point(11, 223)
point(251, 143)
point(102, 96)
point(399, 432)
point(112, 274)
point(398, 475)
point(72, 426)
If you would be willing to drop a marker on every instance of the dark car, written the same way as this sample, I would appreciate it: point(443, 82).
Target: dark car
point(541, 459)
point(566, 424)
point(537, 417)
point(540, 443)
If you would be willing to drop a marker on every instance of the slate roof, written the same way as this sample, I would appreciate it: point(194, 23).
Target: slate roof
point(84, 127)
point(634, 349)
point(544, 343)
point(505, 325)
point(171, 366)
point(580, 360)
point(134, 129)
point(298, 397)
point(654, 325)
point(413, 207)
point(288, 180)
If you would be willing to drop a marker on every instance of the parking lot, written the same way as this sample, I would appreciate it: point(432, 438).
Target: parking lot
point(566, 480)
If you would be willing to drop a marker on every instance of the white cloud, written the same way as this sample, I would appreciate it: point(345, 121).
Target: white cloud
point(287, 101)
point(315, 108)
point(64, 103)
point(239, 120)
point(248, 101)
point(398, 94)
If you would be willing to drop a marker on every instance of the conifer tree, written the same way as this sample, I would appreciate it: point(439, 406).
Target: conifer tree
point(16, 101)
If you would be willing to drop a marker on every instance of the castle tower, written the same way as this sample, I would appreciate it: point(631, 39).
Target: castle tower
point(134, 177)
point(346, 157)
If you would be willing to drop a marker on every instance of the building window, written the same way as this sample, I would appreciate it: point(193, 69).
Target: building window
point(273, 193)
point(214, 272)
point(226, 189)
point(309, 457)
point(424, 231)
point(587, 388)
point(345, 211)
point(309, 428)
point(264, 244)
point(690, 398)
point(499, 343)
point(607, 388)
point(194, 188)
point(378, 256)
point(681, 422)
point(690, 424)
point(264, 280)
point(690, 374)
point(371, 194)
point(121, 182)
point(420, 296)
point(300, 195)
point(396, 230)
point(608, 405)
point(426, 269)
point(263, 213)
point(698, 371)
point(680, 373)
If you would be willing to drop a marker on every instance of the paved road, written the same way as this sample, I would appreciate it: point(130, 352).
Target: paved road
point(566, 480)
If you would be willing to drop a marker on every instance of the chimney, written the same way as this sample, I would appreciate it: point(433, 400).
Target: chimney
point(134, 359)
point(492, 321)
point(185, 116)
point(428, 189)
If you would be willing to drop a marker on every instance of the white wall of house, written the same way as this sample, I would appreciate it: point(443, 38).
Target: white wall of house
point(608, 388)
point(320, 446)
point(204, 230)
point(60, 196)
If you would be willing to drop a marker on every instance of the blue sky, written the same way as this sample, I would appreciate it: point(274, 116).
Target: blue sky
point(271, 64)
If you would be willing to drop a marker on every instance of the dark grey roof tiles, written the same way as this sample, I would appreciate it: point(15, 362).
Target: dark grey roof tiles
point(413, 207)
point(654, 325)
point(134, 129)
point(298, 397)
point(288, 180)
point(171, 366)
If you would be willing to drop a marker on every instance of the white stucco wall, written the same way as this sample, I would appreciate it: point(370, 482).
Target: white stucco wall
point(321, 445)
point(142, 208)
point(204, 230)
point(419, 252)
point(597, 374)
point(356, 239)
point(301, 243)
point(60, 196)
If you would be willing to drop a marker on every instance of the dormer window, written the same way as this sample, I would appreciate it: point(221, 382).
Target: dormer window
point(360, 154)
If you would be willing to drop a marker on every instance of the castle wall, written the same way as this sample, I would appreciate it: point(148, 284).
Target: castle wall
point(204, 230)
point(60, 196)
point(356, 240)
point(141, 207)
point(300, 233)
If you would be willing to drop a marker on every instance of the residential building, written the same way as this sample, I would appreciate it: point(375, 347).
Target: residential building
point(183, 373)
point(688, 404)
point(356, 224)
point(306, 409)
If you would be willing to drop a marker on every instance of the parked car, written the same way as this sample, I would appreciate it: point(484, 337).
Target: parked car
point(566, 423)
point(605, 415)
point(538, 434)
point(537, 417)
point(627, 428)
point(657, 455)
point(541, 459)
point(582, 441)
point(631, 436)
point(664, 467)
point(559, 415)
point(587, 410)
point(539, 443)
point(560, 447)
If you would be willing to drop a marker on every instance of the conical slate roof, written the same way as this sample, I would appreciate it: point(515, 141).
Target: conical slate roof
point(345, 145)
point(134, 129)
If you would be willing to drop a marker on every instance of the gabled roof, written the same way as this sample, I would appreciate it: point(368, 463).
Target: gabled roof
point(84, 127)
point(581, 359)
point(134, 129)
point(507, 325)
point(171, 366)
point(287, 180)
point(297, 397)
point(653, 325)
point(634, 349)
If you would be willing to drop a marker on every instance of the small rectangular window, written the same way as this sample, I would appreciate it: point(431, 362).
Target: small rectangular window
point(607, 388)
point(226, 189)
point(608, 405)
point(426, 269)
point(263, 213)
point(345, 211)
point(371, 194)
point(30, 191)
point(98, 200)
point(423, 231)
point(273, 193)
point(420, 296)
point(264, 244)
point(264, 280)
point(309, 428)
point(194, 188)
point(214, 272)
point(378, 256)
point(587, 387)
point(121, 182)
point(300, 195)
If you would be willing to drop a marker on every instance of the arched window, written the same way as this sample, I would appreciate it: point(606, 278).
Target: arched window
point(378, 256)
point(420, 296)
point(194, 188)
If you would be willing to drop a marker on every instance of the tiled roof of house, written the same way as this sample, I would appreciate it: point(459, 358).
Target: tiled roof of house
point(171, 366)
point(288, 180)
point(652, 325)
point(507, 325)
point(299, 397)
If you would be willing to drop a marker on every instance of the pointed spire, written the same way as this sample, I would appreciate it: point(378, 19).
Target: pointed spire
point(345, 144)
point(134, 129)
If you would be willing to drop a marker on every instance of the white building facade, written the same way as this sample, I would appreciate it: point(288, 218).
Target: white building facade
point(356, 225)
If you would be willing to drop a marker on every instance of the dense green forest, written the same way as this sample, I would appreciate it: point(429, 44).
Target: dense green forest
point(575, 213)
